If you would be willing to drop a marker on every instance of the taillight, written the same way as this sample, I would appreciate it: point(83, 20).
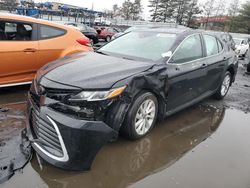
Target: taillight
point(84, 41)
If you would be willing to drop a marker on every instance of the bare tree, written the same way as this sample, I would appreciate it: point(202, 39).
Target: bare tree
point(208, 9)
point(193, 10)
point(233, 10)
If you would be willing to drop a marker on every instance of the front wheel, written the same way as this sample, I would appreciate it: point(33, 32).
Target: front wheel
point(141, 117)
point(224, 87)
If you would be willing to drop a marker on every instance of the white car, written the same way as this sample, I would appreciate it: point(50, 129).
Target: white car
point(242, 46)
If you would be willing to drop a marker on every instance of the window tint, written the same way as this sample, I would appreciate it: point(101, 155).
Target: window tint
point(50, 32)
point(220, 46)
point(15, 31)
point(189, 50)
point(211, 45)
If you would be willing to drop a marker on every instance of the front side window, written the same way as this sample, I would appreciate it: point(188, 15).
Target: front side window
point(211, 45)
point(50, 32)
point(189, 50)
point(139, 45)
point(15, 31)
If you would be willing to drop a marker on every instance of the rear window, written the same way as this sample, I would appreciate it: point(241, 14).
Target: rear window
point(50, 32)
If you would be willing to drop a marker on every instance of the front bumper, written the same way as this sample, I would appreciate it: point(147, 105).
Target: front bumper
point(64, 141)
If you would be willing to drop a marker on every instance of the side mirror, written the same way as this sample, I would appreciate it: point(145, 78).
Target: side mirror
point(167, 54)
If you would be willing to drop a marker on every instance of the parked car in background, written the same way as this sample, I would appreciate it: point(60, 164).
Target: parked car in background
point(89, 32)
point(133, 28)
point(248, 68)
point(26, 44)
point(106, 33)
point(86, 100)
point(242, 46)
point(225, 37)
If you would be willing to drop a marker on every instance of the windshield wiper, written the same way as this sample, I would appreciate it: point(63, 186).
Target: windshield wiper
point(127, 58)
point(100, 52)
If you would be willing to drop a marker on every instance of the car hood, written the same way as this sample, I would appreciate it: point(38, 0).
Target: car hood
point(91, 70)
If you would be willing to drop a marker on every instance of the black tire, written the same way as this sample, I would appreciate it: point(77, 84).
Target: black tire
point(108, 39)
point(248, 67)
point(128, 129)
point(245, 55)
point(218, 95)
point(96, 40)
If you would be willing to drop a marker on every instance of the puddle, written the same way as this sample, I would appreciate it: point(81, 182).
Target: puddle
point(15, 151)
point(124, 163)
point(222, 161)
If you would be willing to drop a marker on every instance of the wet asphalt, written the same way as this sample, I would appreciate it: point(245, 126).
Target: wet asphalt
point(206, 145)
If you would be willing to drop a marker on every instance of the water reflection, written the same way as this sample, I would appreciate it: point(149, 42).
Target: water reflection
point(122, 163)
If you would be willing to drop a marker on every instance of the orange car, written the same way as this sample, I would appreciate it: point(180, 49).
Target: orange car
point(26, 44)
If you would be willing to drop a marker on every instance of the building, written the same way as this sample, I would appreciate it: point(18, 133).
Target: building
point(213, 22)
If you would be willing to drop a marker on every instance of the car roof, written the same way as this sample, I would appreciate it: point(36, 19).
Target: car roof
point(31, 19)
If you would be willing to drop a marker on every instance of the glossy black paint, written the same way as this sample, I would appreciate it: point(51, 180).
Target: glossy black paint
point(90, 33)
point(176, 86)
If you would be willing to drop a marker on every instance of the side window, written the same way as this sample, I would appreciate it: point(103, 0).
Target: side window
point(220, 45)
point(15, 31)
point(211, 45)
point(50, 32)
point(111, 30)
point(189, 50)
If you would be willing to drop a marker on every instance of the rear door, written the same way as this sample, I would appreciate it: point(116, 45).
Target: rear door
point(18, 51)
point(216, 60)
point(187, 72)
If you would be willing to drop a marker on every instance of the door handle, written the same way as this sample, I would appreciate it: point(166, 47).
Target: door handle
point(30, 50)
point(204, 65)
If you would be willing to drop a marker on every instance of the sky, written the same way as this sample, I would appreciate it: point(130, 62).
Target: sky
point(100, 5)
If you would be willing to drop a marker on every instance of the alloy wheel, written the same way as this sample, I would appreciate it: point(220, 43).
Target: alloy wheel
point(225, 85)
point(145, 117)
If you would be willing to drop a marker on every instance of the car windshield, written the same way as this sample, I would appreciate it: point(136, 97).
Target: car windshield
point(237, 41)
point(140, 45)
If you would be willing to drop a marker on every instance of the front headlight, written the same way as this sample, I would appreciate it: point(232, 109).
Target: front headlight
point(97, 95)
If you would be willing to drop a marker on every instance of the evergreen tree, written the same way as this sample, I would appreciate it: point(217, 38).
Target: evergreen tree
point(9, 5)
point(166, 10)
point(181, 10)
point(154, 9)
point(136, 9)
point(126, 9)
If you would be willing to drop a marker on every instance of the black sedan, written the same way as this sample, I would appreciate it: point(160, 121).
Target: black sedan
point(79, 103)
point(89, 32)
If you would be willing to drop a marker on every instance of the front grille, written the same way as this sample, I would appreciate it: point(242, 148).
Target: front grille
point(45, 134)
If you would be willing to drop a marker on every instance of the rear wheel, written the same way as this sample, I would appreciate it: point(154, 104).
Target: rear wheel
point(141, 116)
point(224, 87)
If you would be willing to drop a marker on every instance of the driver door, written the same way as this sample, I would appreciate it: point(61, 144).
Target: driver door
point(187, 72)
